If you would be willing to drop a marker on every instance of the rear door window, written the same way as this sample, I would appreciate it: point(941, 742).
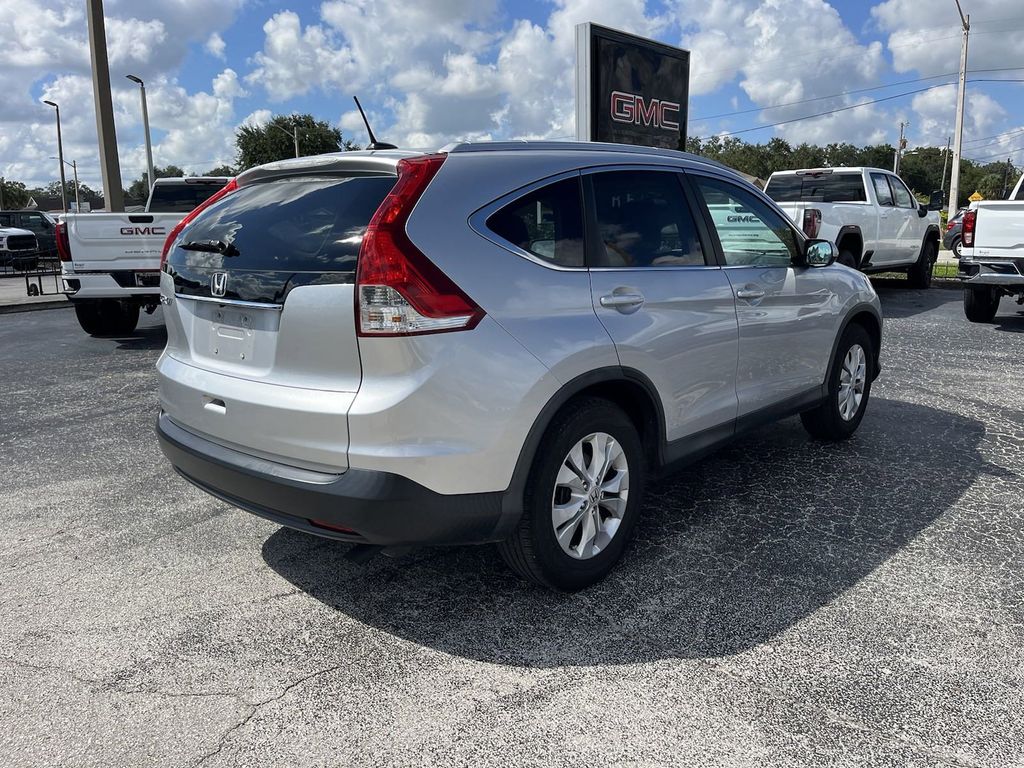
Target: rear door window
point(546, 223)
point(882, 189)
point(183, 197)
point(300, 224)
point(643, 220)
point(817, 187)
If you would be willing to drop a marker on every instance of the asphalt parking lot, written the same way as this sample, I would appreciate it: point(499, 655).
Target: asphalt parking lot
point(785, 603)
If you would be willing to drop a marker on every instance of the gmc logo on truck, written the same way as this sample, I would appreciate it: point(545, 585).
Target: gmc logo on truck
point(635, 109)
point(131, 231)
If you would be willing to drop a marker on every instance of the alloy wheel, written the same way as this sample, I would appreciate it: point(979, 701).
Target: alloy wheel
point(852, 379)
point(590, 495)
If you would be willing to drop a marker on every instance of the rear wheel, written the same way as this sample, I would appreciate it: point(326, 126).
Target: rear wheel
point(958, 247)
point(582, 498)
point(107, 317)
point(849, 387)
point(920, 275)
point(981, 303)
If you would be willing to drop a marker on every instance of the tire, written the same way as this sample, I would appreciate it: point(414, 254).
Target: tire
point(920, 275)
point(981, 304)
point(847, 259)
point(107, 317)
point(957, 247)
point(533, 550)
point(832, 420)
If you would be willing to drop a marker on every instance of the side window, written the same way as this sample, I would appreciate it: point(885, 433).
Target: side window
point(34, 221)
point(643, 220)
point(882, 191)
point(751, 233)
point(903, 197)
point(6, 220)
point(547, 222)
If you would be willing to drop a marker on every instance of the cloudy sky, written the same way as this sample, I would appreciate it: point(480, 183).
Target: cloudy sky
point(431, 71)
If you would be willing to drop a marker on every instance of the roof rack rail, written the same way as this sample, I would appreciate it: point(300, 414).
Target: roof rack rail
point(573, 146)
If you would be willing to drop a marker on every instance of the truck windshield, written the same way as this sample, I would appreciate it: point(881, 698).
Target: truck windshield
point(817, 188)
point(181, 197)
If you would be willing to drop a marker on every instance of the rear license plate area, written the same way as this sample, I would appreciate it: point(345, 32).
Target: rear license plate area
point(231, 334)
point(147, 279)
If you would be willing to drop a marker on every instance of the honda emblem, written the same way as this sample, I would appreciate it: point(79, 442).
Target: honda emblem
point(218, 283)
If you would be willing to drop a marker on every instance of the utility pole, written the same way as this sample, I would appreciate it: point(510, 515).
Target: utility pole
point(294, 134)
point(954, 176)
point(1, 193)
point(109, 165)
point(945, 164)
point(1006, 177)
point(899, 149)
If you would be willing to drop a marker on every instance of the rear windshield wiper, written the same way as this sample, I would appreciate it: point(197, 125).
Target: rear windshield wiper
point(210, 246)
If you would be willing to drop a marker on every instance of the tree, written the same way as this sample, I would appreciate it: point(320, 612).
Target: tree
point(13, 194)
point(138, 191)
point(258, 144)
point(221, 170)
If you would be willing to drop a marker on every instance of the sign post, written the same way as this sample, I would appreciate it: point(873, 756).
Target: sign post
point(630, 90)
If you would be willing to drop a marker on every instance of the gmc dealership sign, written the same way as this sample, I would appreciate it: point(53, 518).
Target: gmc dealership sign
point(630, 90)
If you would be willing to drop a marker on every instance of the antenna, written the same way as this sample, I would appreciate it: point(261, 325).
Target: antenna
point(374, 144)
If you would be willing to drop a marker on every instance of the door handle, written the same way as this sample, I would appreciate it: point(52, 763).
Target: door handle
point(750, 293)
point(624, 302)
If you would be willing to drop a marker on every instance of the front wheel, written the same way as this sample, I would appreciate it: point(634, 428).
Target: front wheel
point(582, 498)
point(981, 303)
point(849, 388)
point(107, 317)
point(920, 275)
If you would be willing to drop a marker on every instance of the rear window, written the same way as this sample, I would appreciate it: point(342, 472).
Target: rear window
point(299, 224)
point(181, 198)
point(823, 188)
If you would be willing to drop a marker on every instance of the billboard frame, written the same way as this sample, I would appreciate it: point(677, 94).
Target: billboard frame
point(587, 83)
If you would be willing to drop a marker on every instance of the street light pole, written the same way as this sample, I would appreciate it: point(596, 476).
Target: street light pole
point(60, 156)
point(954, 175)
point(294, 134)
point(74, 168)
point(145, 126)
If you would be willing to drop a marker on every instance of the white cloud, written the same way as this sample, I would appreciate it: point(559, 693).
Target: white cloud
point(216, 46)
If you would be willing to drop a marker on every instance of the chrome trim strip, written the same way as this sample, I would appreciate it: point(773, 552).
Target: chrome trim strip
point(232, 302)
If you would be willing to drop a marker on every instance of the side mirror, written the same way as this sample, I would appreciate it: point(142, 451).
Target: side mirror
point(936, 202)
point(819, 253)
point(922, 211)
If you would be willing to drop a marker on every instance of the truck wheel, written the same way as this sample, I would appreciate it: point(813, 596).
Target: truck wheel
point(107, 317)
point(920, 275)
point(849, 387)
point(582, 498)
point(981, 303)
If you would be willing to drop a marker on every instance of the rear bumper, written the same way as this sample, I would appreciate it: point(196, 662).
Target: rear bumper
point(107, 285)
point(999, 272)
point(376, 507)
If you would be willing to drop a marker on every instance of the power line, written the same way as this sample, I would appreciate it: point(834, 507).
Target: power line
point(828, 112)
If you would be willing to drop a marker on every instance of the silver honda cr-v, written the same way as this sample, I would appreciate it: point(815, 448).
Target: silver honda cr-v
point(495, 343)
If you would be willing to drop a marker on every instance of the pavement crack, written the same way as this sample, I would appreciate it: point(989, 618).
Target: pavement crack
point(254, 708)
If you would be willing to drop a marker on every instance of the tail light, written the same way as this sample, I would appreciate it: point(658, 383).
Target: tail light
point(812, 222)
point(400, 292)
point(227, 189)
point(967, 228)
point(63, 246)
point(952, 223)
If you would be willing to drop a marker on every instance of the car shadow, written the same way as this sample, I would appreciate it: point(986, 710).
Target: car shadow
point(729, 553)
point(152, 337)
point(899, 301)
point(1011, 323)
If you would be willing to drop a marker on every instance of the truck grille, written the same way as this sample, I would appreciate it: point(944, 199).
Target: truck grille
point(21, 243)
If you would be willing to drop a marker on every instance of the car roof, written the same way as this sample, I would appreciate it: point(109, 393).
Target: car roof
point(386, 159)
point(836, 169)
point(192, 180)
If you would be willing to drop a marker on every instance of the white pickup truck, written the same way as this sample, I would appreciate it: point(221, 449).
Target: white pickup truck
point(869, 213)
point(110, 262)
point(992, 259)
